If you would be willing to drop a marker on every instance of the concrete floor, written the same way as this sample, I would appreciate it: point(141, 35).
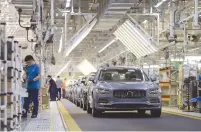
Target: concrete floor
point(130, 121)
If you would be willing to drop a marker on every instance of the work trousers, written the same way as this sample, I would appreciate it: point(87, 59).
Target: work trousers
point(32, 97)
point(64, 93)
point(59, 93)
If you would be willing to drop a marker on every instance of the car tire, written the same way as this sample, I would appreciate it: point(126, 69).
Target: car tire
point(81, 104)
point(89, 110)
point(95, 112)
point(156, 113)
point(84, 107)
point(77, 103)
point(141, 112)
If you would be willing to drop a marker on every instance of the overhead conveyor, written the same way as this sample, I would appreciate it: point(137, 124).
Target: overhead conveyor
point(134, 39)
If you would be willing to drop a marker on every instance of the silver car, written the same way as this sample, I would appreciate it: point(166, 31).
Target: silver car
point(120, 89)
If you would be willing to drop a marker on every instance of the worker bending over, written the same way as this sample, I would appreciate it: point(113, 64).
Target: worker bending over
point(32, 77)
point(52, 88)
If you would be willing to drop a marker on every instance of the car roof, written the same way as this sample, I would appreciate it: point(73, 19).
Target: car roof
point(119, 68)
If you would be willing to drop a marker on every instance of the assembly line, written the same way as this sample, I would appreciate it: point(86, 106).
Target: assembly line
point(128, 121)
point(122, 117)
point(100, 65)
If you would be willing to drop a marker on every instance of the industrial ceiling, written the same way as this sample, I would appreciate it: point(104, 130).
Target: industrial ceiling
point(104, 31)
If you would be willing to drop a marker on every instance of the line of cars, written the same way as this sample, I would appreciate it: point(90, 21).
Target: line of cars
point(116, 89)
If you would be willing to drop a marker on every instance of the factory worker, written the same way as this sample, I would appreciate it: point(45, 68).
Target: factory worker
point(59, 85)
point(32, 78)
point(52, 88)
point(63, 86)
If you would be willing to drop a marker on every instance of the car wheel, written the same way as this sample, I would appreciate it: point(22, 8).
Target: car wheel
point(81, 104)
point(77, 103)
point(141, 112)
point(95, 112)
point(156, 113)
point(89, 110)
point(84, 107)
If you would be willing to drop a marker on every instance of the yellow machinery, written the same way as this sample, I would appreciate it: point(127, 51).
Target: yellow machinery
point(169, 85)
point(45, 98)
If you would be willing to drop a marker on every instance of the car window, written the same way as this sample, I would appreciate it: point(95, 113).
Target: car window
point(121, 75)
point(146, 77)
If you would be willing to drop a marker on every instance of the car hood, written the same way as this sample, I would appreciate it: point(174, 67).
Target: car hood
point(126, 85)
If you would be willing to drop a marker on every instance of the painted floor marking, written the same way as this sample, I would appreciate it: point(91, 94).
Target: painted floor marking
point(164, 111)
point(180, 114)
point(70, 123)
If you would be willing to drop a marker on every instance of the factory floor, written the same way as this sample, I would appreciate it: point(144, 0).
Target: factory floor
point(65, 116)
point(47, 120)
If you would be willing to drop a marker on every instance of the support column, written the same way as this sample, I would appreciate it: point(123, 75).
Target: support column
point(185, 41)
point(196, 15)
point(151, 6)
point(72, 6)
point(65, 29)
point(52, 12)
point(171, 26)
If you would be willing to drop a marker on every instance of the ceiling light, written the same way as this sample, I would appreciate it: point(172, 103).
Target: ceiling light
point(68, 2)
point(177, 59)
point(152, 66)
point(160, 3)
point(145, 21)
point(60, 43)
point(86, 67)
point(193, 49)
point(107, 45)
point(67, 64)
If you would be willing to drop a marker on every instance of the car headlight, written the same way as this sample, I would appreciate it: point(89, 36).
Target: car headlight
point(154, 91)
point(102, 91)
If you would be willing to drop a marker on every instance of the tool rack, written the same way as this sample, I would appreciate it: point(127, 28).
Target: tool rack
point(10, 76)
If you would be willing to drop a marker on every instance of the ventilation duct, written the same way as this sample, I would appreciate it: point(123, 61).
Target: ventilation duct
point(80, 35)
point(135, 40)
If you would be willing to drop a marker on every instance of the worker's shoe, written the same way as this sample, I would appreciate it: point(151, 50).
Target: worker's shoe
point(34, 116)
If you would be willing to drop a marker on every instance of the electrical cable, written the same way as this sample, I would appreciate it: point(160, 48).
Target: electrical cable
point(19, 20)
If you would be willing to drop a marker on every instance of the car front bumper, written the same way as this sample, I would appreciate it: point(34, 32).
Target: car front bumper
point(128, 106)
point(111, 103)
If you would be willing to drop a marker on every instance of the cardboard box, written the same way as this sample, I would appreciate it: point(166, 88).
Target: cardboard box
point(45, 100)
point(44, 91)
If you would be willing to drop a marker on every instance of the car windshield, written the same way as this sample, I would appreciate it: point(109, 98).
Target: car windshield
point(121, 75)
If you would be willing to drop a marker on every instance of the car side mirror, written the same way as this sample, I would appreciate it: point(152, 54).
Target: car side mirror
point(153, 78)
point(93, 81)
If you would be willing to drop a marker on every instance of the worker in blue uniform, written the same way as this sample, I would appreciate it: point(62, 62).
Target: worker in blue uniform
point(199, 76)
point(33, 84)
